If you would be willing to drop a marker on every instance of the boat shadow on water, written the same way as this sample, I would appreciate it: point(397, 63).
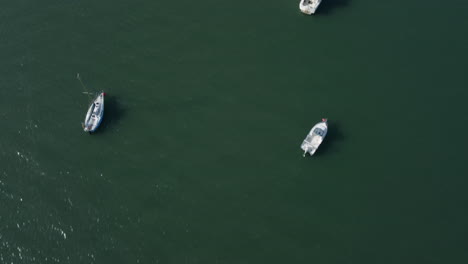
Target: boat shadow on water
point(332, 140)
point(327, 6)
point(113, 113)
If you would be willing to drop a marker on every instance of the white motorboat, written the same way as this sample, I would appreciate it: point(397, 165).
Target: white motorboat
point(315, 137)
point(309, 6)
point(95, 114)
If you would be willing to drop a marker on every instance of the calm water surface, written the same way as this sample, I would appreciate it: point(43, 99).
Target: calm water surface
point(198, 158)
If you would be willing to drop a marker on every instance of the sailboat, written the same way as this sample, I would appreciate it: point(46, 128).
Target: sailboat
point(95, 114)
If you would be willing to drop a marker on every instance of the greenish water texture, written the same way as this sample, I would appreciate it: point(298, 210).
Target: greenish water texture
point(198, 159)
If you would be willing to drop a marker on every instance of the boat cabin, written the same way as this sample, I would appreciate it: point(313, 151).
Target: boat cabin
point(319, 131)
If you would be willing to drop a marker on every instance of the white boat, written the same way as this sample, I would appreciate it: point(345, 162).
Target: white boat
point(309, 6)
point(315, 137)
point(95, 114)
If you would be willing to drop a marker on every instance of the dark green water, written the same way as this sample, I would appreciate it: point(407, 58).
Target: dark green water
point(198, 158)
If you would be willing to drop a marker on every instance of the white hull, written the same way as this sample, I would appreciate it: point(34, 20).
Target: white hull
point(315, 138)
point(309, 6)
point(95, 114)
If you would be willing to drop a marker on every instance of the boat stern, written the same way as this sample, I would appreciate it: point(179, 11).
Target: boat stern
point(307, 10)
point(308, 148)
point(88, 128)
point(309, 7)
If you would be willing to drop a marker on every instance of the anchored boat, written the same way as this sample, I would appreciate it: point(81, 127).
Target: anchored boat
point(95, 114)
point(315, 137)
point(309, 6)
